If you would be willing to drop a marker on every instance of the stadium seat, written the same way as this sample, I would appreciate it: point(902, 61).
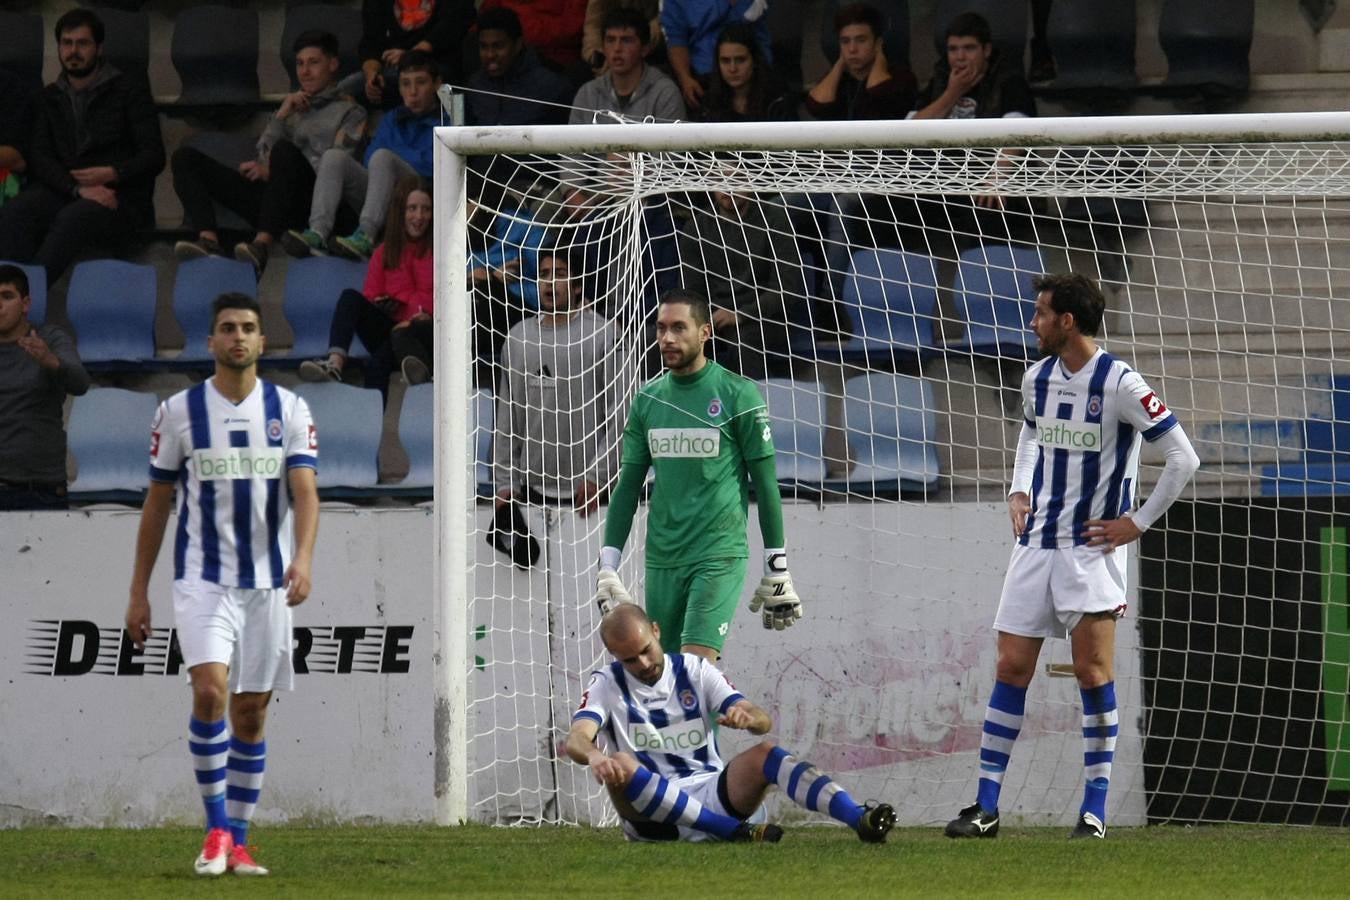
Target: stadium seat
point(111, 306)
point(343, 22)
point(348, 420)
point(311, 294)
point(1093, 44)
point(891, 296)
point(126, 42)
point(37, 290)
point(416, 431)
point(22, 42)
point(995, 297)
point(892, 426)
point(1007, 24)
point(109, 436)
point(215, 50)
point(197, 283)
point(1207, 44)
point(795, 416)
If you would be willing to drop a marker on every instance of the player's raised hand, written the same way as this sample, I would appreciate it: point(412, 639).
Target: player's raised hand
point(779, 600)
point(609, 590)
point(736, 717)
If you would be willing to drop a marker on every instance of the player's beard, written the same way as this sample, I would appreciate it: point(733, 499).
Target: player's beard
point(82, 72)
point(686, 358)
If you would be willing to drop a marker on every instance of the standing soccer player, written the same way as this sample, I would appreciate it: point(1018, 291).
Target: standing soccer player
point(705, 431)
point(243, 453)
point(1073, 480)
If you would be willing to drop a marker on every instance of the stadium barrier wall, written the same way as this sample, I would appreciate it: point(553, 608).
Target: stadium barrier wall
point(887, 693)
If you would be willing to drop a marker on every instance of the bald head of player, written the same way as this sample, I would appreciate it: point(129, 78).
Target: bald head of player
point(635, 641)
point(683, 326)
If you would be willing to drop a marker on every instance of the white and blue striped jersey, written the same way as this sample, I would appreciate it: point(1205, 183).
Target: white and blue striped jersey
point(230, 462)
point(666, 725)
point(1087, 427)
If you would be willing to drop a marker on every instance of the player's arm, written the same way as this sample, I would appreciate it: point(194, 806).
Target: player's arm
point(1024, 467)
point(746, 716)
point(305, 503)
point(775, 594)
point(580, 745)
point(1180, 463)
point(622, 506)
point(154, 519)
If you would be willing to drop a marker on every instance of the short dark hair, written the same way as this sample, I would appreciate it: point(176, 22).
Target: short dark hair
point(558, 254)
point(326, 41)
point(11, 274)
point(621, 17)
point(697, 303)
point(860, 14)
point(235, 300)
point(420, 61)
point(499, 18)
point(1077, 295)
point(78, 18)
point(969, 24)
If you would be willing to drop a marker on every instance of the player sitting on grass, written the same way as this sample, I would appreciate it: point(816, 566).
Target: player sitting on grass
point(665, 775)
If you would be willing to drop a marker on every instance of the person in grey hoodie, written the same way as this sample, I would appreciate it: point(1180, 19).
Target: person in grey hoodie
point(558, 413)
point(273, 191)
point(629, 87)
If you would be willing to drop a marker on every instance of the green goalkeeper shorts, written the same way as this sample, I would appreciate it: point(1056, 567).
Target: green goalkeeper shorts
point(695, 604)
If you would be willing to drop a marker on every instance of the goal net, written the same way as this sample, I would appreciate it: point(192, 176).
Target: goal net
point(878, 292)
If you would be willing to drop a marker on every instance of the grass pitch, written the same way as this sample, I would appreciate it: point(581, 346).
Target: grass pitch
point(477, 861)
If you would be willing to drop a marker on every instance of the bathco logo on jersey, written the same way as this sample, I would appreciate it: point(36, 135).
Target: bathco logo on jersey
point(682, 737)
point(1059, 434)
point(219, 463)
point(684, 443)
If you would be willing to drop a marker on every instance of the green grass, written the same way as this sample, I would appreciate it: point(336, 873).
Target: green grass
point(476, 861)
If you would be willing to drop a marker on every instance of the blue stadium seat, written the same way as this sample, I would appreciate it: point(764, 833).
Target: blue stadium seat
point(197, 283)
point(1007, 24)
point(996, 299)
point(1092, 43)
point(349, 420)
point(215, 50)
point(22, 42)
point(311, 294)
point(126, 42)
point(37, 290)
point(342, 22)
point(1207, 44)
point(109, 436)
point(891, 296)
point(892, 427)
point(795, 416)
point(111, 305)
point(416, 431)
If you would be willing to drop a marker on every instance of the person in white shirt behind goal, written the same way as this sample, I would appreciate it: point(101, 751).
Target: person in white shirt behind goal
point(664, 773)
point(1070, 506)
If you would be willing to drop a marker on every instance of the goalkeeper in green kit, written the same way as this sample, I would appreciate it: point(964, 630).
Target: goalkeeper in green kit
point(705, 431)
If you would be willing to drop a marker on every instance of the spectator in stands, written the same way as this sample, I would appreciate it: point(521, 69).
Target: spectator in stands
point(553, 29)
point(629, 86)
point(398, 290)
point(93, 159)
point(692, 27)
point(555, 427)
point(38, 368)
point(390, 29)
point(740, 252)
point(511, 87)
point(18, 110)
point(593, 31)
point(743, 87)
point(273, 191)
point(862, 84)
point(403, 146)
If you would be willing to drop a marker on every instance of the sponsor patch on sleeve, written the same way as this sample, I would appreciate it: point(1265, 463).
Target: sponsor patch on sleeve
point(1153, 405)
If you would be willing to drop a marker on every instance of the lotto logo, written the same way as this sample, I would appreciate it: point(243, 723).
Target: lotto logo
point(154, 443)
point(313, 438)
point(1153, 405)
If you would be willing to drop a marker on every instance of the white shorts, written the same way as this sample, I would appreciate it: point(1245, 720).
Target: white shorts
point(1047, 592)
point(247, 630)
point(702, 787)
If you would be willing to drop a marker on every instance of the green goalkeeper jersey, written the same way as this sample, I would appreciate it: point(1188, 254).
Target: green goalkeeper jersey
point(697, 432)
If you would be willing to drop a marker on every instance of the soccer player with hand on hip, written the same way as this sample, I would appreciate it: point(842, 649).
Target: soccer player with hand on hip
point(663, 770)
point(243, 452)
point(705, 432)
point(1070, 506)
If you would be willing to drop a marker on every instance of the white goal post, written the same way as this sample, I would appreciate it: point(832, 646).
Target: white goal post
point(1229, 294)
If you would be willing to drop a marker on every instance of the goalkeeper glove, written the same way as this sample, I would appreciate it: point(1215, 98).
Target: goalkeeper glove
point(776, 594)
point(609, 590)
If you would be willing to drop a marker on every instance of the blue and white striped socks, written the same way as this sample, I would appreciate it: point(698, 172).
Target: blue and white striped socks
point(1002, 724)
point(810, 787)
point(660, 801)
point(209, 744)
point(1101, 724)
point(243, 783)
